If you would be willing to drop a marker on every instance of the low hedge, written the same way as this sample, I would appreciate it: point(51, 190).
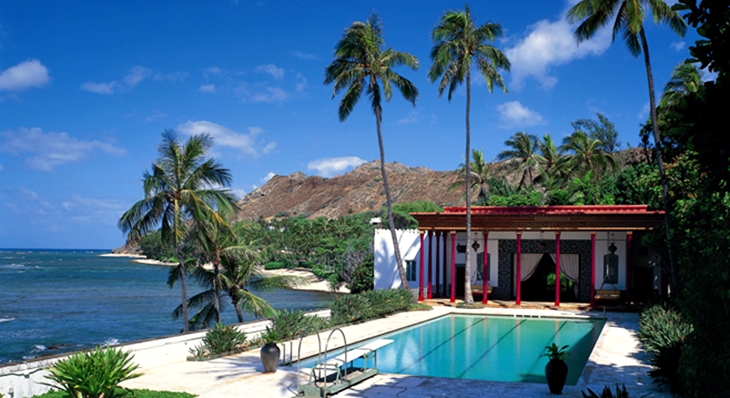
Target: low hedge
point(355, 308)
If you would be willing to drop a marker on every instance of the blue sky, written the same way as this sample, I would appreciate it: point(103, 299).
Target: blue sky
point(87, 87)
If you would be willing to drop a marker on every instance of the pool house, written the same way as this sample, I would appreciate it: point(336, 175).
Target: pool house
point(580, 254)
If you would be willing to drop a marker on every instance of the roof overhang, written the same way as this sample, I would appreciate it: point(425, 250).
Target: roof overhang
point(543, 218)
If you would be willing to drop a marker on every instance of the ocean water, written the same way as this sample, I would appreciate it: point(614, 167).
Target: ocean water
point(55, 301)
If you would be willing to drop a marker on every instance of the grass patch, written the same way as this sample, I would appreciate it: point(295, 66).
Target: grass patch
point(126, 393)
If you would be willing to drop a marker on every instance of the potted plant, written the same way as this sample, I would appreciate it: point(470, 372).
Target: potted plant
point(270, 351)
point(556, 371)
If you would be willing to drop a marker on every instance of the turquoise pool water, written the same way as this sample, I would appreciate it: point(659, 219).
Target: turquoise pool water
point(486, 347)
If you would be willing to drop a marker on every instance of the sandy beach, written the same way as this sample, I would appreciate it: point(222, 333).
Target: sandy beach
point(313, 283)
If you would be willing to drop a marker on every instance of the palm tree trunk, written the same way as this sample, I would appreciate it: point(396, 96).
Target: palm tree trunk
point(217, 289)
point(181, 268)
point(389, 203)
point(468, 298)
point(183, 288)
point(658, 155)
point(239, 313)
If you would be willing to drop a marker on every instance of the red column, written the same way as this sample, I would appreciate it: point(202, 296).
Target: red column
point(593, 268)
point(557, 269)
point(453, 267)
point(430, 264)
point(518, 301)
point(629, 235)
point(485, 275)
point(420, 269)
point(438, 272)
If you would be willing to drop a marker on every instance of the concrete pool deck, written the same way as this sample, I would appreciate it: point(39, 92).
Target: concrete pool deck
point(616, 359)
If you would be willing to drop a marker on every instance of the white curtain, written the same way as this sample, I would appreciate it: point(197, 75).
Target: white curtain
point(529, 264)
point(569, 266)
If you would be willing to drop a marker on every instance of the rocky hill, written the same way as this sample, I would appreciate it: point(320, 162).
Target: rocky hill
point(357, 191)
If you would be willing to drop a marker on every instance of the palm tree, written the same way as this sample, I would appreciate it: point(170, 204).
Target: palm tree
point(523, 153)
point(361, 64)
point(459, 43)
point(628, 18)
point(588, 155)
point(481, 172)
point(236, 270)
point(686, 79)
point(552, 163)
point(182, 187)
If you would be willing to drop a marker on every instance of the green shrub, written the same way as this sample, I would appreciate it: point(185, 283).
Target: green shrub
point(130, 393)
point(372, 304)
point(219, 340)
point(364, 276)
point(276, 265)
point(93, 374)
point(663, 332)
point(607, 393)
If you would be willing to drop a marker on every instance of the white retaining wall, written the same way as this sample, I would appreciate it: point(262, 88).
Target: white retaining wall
point(25, 379)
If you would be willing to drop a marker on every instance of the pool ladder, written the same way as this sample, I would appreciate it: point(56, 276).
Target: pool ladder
point(318, 372)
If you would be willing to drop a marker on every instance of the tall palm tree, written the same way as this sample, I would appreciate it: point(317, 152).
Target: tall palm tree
point(628, 19)
point(361, 64)
point(523, 153)
point(459, 43)
point(182, 187)
point(588, 155)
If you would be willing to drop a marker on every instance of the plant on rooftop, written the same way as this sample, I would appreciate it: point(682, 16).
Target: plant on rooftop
point(93, 374)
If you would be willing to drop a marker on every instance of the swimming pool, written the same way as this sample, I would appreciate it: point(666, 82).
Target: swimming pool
point(495, 348)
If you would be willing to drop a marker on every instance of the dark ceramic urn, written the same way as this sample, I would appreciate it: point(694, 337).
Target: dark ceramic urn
point(556, 371)
point(270, 357)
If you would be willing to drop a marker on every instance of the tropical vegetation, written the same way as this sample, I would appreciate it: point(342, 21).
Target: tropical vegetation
point(93, 374)
point(183, 188)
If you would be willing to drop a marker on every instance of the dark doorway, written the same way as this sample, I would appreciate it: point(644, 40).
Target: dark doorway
point(460, 277)
point(541, 285)
point(643, 284)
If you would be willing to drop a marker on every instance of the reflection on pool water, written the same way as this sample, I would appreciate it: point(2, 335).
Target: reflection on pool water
point(486, 347)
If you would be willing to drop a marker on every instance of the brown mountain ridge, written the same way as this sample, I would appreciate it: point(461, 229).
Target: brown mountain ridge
point(357, 191)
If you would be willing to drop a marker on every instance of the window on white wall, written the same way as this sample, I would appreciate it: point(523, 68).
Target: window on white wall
point(411, 270)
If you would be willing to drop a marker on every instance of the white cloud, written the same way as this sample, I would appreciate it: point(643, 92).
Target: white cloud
point(267, 177)
point(513, 114)
point(172, 76)
point(52, 149)
point(550, 43)
point(271, 69)
point(30, 73)
point(135, 76)
point(225, 137)
point(301, 83)
point(677, 45)
point(207, 88)
point(156, 115)
point(270, 94)
point(87, 210)
point(410, 119)
point(334, 166)
point(1, 168)
point(100, 88)
point(302, 55)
